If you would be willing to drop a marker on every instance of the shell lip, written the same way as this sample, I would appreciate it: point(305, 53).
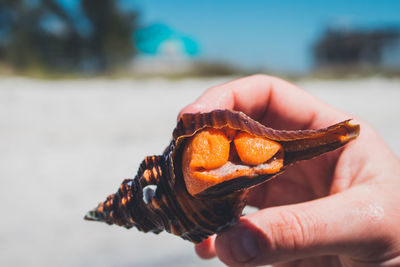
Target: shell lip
point(234, 185)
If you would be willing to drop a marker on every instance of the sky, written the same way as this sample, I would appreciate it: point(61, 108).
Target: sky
point(274, 35)
point(270, 34)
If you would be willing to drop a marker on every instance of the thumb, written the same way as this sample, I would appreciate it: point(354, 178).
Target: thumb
point(338, 224)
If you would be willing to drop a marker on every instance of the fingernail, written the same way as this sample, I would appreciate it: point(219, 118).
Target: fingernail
point(244, 246)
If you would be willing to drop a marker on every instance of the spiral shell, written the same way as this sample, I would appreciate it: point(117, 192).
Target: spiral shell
point(157, 198)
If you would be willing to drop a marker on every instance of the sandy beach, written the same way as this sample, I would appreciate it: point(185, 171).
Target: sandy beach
point(66, 145)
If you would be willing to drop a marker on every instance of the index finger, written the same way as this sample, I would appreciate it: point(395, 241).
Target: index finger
point(270, 100)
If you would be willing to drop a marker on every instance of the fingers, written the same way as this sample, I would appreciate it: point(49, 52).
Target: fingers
point(206, 249)
point(339, 224)
point(249, 95)
point(272, 101)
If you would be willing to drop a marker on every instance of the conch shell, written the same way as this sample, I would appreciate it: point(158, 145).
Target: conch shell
point(199, 185)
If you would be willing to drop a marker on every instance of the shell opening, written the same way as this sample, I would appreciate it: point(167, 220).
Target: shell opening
point(213, 156)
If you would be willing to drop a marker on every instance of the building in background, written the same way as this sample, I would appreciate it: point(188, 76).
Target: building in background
point(358, 48)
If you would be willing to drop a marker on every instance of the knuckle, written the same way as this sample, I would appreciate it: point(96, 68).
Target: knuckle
point(261, 77)
point(294, 230)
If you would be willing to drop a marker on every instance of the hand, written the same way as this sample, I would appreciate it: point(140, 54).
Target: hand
point(339, 209)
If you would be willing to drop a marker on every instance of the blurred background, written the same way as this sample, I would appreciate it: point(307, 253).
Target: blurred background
point(87, 37)
point(90, 87)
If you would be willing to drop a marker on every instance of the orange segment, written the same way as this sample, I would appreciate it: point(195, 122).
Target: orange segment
point(255, 150)
point(209, 149)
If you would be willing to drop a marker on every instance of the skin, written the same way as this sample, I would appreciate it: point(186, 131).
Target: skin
point(339, 209)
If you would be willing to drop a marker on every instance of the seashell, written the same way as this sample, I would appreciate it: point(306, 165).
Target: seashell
point(195, 194)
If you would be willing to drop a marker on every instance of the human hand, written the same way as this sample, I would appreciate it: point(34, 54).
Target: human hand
point(339, 209)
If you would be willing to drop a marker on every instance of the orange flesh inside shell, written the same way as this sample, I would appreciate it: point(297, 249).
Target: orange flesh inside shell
point(215, 155)
point(254, 150)
point(209, 149)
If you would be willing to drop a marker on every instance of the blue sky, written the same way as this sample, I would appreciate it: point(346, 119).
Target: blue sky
point(269, 34)
point(276, 34)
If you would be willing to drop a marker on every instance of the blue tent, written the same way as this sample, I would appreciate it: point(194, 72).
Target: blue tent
point(151, 38)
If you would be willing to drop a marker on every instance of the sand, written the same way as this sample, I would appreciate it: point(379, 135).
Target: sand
point(65, 145)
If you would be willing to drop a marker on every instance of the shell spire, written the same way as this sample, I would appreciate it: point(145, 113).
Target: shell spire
point(153, 202)
point(131, 204)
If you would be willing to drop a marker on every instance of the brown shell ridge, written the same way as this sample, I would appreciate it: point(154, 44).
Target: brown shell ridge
point(316, 142)
point(190, 123)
